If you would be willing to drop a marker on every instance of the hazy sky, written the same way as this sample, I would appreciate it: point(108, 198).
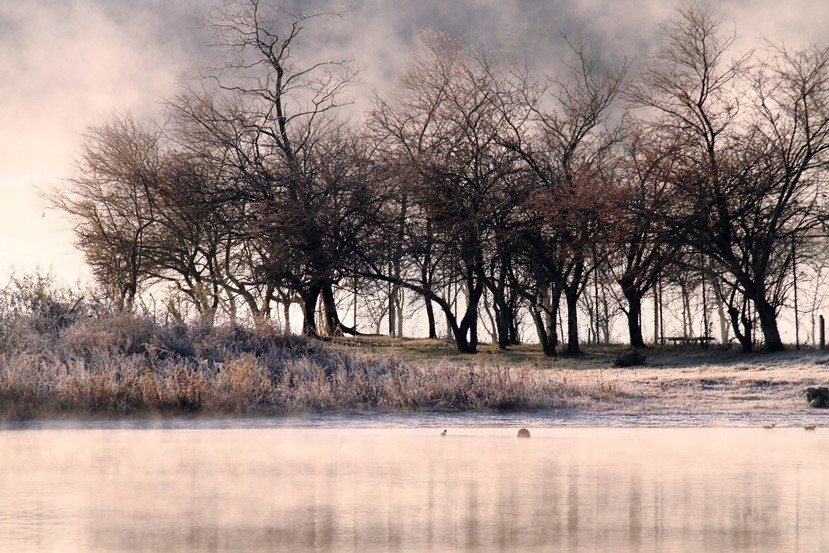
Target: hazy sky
point(66, 64)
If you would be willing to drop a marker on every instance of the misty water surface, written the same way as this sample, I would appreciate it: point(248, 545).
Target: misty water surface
point(409, 489)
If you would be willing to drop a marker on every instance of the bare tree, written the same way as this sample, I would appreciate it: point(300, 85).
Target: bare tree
point(644, 241)
point(189, 239)
point(212, 133)
point(564, 146)
point(272, 114)
point(791, 134)
point(112, 199)
point(754, 143)
point(443, 128)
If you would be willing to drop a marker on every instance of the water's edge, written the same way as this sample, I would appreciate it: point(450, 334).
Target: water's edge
point(539, 419)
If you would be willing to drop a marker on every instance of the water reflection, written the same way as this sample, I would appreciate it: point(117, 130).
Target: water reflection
point(362, 489)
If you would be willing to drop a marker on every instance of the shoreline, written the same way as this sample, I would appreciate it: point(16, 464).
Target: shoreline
point(438, 421)
point(638, 415)
point(414, 382)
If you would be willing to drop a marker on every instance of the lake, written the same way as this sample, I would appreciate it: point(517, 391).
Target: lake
point(204, 487)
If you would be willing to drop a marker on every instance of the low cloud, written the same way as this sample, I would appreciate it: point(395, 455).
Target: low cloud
point(67, 64)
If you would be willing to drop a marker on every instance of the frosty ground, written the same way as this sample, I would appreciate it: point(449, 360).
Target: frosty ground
point(675, 386)
point(127, 367)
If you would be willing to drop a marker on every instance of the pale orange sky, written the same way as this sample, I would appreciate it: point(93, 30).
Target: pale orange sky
point(69, 63)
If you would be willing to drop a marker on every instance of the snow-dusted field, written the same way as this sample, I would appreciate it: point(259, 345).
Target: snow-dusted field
point(696, 387)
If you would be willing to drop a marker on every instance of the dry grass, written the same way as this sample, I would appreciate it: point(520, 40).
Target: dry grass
point(673, 380)
point(34, 386)
point(123, 365)
point(120, 365)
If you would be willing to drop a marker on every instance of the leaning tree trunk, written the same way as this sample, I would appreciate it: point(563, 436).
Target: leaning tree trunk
point(430, 319)
point(547, 337)
point(740, 318)
point(459, 333)
point(466, 333)
point(335, 325)
point(743, 336)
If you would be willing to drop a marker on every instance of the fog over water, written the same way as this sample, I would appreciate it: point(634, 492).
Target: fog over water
point(375, 489)
point(67, 64)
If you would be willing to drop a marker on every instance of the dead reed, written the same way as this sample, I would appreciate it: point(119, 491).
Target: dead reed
point(123, 365)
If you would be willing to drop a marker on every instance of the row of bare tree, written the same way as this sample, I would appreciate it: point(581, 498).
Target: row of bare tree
point(507, 184)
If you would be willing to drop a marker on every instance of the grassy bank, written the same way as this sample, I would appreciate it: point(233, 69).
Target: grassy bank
point(121, 365)
point(57, 361)
point(683, 379)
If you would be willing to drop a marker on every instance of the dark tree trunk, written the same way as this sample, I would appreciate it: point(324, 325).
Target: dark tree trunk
point(547, 338)
point(309, 302)
point(473, 333)
point(463, 333)
point(634, 316)
point(463, 344)
point(504, 316)
point(572, 298)
point(513, 329)
point(504, 308)
point(335, 325)
point(768, 325)
point(459, 333)
point(469, 323)
point(502, 319)
point(430, 318)
point(473, 329)
point(740, 319)
point(332, 319)
point(392, 311)
point(743, 335)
